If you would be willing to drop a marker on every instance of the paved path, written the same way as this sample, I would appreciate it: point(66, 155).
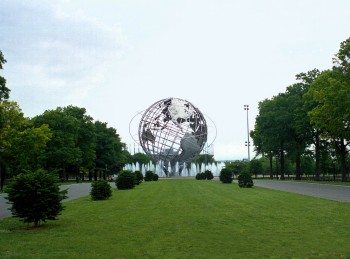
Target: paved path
point(326, 191)
point(74, 191)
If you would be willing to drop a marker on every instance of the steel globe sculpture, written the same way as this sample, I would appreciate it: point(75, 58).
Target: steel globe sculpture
point(172, 130)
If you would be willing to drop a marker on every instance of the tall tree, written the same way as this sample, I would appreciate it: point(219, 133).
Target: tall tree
point(4, 91)
point(273, 129)
point(109, 149)
point(86, 139)
point(308, 104)
point(62, 150)
point(331, 90)
point(301, 130)
point(4, 94)
point(12, 121)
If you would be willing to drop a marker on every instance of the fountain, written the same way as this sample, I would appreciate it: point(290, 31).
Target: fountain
point(177, 169)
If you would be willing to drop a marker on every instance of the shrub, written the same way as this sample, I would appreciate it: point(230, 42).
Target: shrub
point(245, 180)
point(226, 175)
point(35, 196)
point(100, 190)
point(155, 177)
point(125, 180)
point(200, 176)
point(138, 177)
point(149, 176)
point(208, 175)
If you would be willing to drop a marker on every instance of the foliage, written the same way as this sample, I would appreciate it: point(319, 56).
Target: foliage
point(255, 167)
point(100, 190)
point(35, 196)
point(149, 176)
point(109, 148)
point(226, 175)
point(331, 91)
point(207, 175)
point(155, 177)
point(200, 176)
point(86, 135)
point(138, 177)
point(125, 180)
point(245, 180)
point(62, 150)
point(236, 167)
point(4, 91)
point(140, 158)
point(21, 143)
point(204, 158)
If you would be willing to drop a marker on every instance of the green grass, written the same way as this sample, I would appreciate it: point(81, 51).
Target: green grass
point(187, 219)
point(308, 181)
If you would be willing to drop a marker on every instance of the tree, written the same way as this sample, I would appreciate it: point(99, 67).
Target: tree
point(273, 128)
point(204, 158)
point(109, 149)
point(236, 167)
point(12, 121)
point(35, 197)
point(28, 146)
point(4, 91)
point(86, 139)
point(62, 150)
point(307, 79)
point(255, 167)
point(140, 158)
point(331, 91)
point(301, 130)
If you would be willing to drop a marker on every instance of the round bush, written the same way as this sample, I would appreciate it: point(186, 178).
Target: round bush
point(138, 177)
point(125, 180)
point(226, 175)
point(155, 177)
point(100, 190)
point(245, 180)
point(208, 175)
point(149, 176)
point(200, 176)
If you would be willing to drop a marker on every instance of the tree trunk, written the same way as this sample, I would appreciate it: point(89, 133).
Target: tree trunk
point(298, 167)
point(90, 175)
point(317, 157)
point(343, 159)
point(271, 169)
point(2, 176)
point(282, 163)
point(95, 175)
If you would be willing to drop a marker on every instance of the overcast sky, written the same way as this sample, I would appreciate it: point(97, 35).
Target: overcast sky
point(116, 58)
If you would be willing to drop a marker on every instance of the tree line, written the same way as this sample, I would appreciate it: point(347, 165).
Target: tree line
point(65, 140)
point(310, 121)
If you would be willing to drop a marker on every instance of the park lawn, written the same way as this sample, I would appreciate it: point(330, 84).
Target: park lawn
point(182, 218)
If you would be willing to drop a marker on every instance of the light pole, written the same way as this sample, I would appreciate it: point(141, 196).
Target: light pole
point(246, 108)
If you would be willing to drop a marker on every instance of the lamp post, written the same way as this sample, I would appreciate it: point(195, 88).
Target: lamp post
point(246, 108)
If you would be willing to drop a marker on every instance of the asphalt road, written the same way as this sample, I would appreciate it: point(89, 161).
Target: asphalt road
point(74, 191)
point(326, 191)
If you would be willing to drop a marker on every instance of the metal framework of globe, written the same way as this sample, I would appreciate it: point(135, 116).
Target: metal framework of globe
point(172, 130)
